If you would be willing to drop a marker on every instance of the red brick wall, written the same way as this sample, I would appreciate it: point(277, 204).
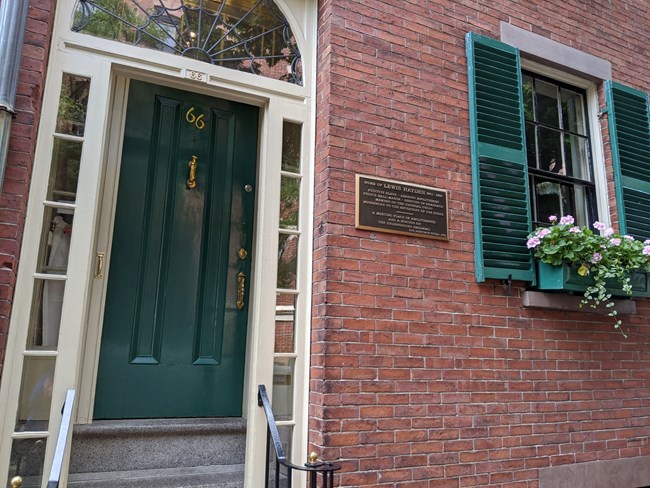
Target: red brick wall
point(13, 200)
point(420, 376)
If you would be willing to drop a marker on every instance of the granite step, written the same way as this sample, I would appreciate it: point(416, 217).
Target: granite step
point(229, 476)
point(165, 453)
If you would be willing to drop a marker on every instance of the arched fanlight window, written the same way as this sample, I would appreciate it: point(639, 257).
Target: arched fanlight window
point(246, 35)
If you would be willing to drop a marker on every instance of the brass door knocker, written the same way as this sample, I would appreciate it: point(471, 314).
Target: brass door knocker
point(191, 180)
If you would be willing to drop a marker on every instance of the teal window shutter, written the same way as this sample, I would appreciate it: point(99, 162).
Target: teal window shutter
point(499, 167)
point(629, 128)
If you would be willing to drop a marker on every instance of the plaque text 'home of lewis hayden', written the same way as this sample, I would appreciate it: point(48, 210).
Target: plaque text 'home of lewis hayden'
point(401, 208)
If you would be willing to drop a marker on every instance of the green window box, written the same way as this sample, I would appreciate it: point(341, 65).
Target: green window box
point(566, 278)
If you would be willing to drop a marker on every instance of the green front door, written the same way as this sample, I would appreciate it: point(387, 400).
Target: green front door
point(174, 334)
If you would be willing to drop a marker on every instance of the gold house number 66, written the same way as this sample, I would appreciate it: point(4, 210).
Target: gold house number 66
point(193, 119)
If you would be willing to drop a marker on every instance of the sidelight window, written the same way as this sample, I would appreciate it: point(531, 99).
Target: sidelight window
point(49, 282)
point(288, 286)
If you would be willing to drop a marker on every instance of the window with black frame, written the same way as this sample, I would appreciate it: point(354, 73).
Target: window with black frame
point(558, 151)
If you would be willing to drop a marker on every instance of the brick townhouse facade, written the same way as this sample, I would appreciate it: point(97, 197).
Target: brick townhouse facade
point(412, 361)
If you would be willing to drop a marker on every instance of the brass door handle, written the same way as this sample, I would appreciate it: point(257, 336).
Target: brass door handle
point(241, 289)
point(99, 272)
point(191, 180)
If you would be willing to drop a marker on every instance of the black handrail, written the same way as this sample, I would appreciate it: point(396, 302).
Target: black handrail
point(313, 467)
point(62, 440)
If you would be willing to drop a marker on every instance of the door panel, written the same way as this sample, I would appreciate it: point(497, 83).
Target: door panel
point(174, 339)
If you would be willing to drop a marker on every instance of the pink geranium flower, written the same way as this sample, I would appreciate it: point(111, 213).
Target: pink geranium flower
point(567, 220)
point(533, 242)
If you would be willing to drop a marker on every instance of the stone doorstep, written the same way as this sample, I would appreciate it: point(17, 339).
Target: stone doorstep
point(133, 445)
point(161, 427)
point(229, 476)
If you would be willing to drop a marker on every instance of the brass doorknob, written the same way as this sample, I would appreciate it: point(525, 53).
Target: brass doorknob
point(16, 482)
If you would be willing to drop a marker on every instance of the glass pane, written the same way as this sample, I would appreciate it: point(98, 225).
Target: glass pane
point(528, 97)
point(547, 109)
point(531, 145)
point(55, 241)
point(65, 170)
point(287, 261)
point(286, 436)
point(553, 198)
point(45, 320)
point(283, 370)
point(246, 35)
point(73, 104)
point(35, 394)
point(289, 202)
point(573, 112)
point(550, 150)
point(285, 325)
point(291, 140)
point(575, 155)
point(582, 197)
point(26, 461)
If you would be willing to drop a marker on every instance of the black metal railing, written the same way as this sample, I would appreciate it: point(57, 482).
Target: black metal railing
point(62, 440)
point(313, 468)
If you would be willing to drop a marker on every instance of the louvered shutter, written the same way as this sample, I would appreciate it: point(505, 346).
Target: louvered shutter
point(499, 168)
point(629, 126)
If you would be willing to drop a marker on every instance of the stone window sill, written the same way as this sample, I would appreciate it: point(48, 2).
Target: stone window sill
point(571, 303)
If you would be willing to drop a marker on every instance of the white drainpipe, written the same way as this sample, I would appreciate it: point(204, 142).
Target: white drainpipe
point(13, 17)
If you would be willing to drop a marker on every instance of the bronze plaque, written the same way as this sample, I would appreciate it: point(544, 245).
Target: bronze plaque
point(400, 208)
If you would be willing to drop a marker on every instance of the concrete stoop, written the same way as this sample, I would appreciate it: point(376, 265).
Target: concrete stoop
point(164, 453)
